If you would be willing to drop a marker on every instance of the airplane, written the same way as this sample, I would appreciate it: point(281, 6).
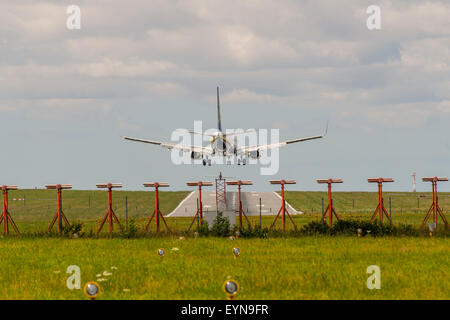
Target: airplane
point(220, 145)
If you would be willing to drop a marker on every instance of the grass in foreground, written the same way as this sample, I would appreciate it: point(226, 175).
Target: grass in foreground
point(280, 268)
point(301, 268)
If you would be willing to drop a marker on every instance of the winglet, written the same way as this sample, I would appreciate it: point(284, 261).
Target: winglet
point(326, 130)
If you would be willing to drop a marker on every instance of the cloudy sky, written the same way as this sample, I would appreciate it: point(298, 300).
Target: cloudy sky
point(145, 68)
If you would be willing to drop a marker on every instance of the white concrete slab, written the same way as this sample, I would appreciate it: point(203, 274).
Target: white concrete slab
point(271, 203)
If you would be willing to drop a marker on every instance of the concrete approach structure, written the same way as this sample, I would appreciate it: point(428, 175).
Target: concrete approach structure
point(270, 204)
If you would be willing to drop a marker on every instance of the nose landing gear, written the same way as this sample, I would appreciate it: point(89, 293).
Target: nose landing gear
point(243, 161)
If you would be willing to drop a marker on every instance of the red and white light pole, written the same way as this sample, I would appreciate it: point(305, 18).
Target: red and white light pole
point(59, 214)
point(199, 213)
point(6, 217)
point(156, 213)
point(110, 215)
point(283, 209)
point(435, 209)
point(240, 183)
point(330, 208)
point(380, 208)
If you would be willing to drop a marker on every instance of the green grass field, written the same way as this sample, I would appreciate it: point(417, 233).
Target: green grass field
point(303, 268)
point(308, 267)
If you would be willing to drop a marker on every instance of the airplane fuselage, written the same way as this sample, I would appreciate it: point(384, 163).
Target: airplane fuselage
point(221, 146)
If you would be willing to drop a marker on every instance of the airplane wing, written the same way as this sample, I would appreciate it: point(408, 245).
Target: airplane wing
point(170, 146)
point(247, 150)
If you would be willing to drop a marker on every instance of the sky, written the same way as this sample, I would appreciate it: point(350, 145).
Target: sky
point(146, 68)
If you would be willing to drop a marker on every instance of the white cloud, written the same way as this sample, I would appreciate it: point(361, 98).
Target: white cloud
point(117, 68)
point(412, 19)
point(444, 106)
point(167, 89)
point(105, 68)
point(33, 21)
point(245, 95)
point(56, 109)
point(433, 55)
point(247, 48)
point(316, 54)
point(401, 115)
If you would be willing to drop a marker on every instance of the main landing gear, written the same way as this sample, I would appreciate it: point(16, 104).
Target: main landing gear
point(243, 161)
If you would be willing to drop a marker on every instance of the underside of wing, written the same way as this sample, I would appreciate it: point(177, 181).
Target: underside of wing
point(197, 149)
point(143, 140)
point(169, 146)
point(247, 150)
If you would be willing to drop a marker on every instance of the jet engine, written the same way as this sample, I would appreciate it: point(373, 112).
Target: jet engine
point(254, 154)
point(196, 155)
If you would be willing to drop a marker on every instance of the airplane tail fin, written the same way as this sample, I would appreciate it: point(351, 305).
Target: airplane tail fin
point(219, 122)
